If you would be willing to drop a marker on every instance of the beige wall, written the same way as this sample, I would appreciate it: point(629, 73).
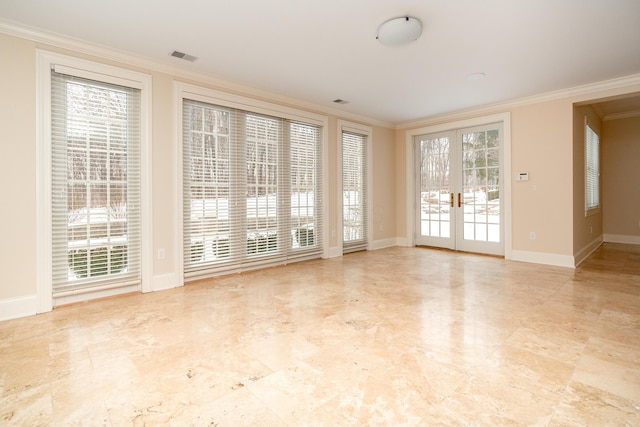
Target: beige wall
point(621, 177)
point(384, 184)
point(541, 136)
point(18, 170)
point(587, 230)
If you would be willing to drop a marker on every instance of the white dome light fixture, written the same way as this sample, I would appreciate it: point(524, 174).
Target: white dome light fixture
point(399, 31)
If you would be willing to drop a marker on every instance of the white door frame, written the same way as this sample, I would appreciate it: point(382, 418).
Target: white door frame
point(505, 119)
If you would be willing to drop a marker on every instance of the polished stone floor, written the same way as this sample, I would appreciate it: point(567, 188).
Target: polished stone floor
point(399, 336)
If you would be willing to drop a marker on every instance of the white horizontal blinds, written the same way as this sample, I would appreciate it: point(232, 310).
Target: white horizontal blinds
point(95, 185)
point(208, 208)
point(306, 198)
point(240, 208)
point(354, 192)
point(592, 160)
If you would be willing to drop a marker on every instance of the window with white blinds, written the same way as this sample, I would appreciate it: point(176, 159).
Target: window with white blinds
point(95, 186)
point(592, 170)
point(251, 189)
point(354, 192)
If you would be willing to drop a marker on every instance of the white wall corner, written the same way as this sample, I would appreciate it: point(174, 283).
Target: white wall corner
point(621, 238)
point(584, 253)
point(162, 282)
point(13, 308)
point(543, 258)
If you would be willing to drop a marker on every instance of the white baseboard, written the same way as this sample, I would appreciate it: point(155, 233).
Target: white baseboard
point(384, 243)
point(13, 308)
point(165, 281)
point(334, 252)
point(403, 241)
point(621, 238)
point(543, 258)
point(587, 250)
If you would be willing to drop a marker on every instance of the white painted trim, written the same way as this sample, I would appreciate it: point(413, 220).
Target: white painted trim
point(171, 67)
point(13, 308)
point(401, 241)
point(543, 258)
point(622, 238)
point(619, 86)
point(325, 191)
point(163, 282)
point(70, 299)
point(505, 119)
point(619, 116)
point(584, 253)
point(345, 126)
point(44, 61)
point(178, 232)
point(383, 243)
point(240, 102)
point(334, 252)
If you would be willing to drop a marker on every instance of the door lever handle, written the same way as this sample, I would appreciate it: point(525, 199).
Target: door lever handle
point(459, 200)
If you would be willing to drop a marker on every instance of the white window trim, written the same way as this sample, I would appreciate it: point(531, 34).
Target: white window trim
point(198, 93)
point(505, 119)
point(45, 60)
point(591, 211)
point(346, 126)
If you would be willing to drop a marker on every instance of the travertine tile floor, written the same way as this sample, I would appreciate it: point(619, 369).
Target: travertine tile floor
point(397, 336)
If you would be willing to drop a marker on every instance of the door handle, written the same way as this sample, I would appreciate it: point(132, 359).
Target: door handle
point(452, 199)
point(459, 200)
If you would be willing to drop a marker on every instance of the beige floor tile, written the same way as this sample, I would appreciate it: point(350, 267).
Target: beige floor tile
point(399, 336)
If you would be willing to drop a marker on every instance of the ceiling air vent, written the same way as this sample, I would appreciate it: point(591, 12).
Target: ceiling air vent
point(182, 55)
point(340, 101)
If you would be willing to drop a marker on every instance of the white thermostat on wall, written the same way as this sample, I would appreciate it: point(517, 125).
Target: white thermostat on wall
point(522, 176)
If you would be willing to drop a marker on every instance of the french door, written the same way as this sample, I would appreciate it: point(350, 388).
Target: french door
point(458, 189)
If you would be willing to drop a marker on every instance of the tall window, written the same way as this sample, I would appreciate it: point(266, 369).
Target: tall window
point(592, 171)
point(95, 140)
point(354, 191)
point(251, 189)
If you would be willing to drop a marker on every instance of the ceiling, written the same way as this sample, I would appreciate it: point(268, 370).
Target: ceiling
point(323, 50)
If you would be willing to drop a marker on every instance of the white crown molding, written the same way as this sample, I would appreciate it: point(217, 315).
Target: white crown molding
point(580, 93)
point(618, 116)
point(111, 54)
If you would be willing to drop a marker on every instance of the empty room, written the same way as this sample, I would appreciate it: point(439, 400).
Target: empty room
point(291, 213)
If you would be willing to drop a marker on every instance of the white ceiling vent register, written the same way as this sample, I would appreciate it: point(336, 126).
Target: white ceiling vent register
point(182, 55)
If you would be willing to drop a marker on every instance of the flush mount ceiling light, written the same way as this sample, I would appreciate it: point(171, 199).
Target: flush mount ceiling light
point(399, 31)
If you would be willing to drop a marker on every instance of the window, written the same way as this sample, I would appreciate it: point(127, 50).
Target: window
point(93, 163)
point(252, 189)
point(592, 171)
point(354, 190)
point(95, 184)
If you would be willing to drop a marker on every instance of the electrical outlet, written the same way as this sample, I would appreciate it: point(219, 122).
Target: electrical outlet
point(161, 253)
point(532, 235)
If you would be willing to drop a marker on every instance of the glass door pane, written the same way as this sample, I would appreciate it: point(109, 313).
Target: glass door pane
point(481, 186)
point(435, 191)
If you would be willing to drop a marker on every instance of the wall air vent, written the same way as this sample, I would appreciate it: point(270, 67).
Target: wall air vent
point(340, 101)
point(182, 55)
